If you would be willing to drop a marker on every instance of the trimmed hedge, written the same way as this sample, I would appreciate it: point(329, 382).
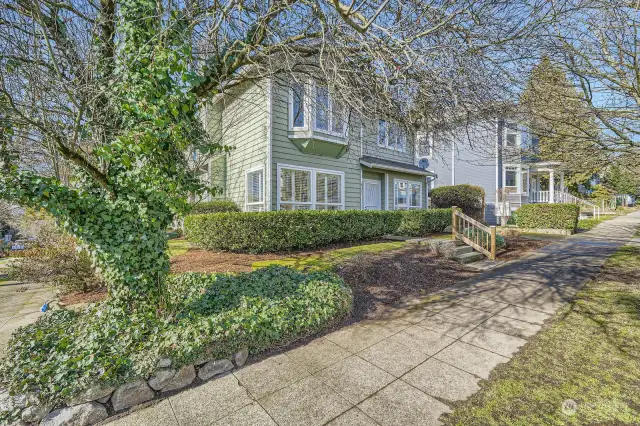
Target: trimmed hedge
point(276, 231)
point(419, 223)
point(469, 198)
point(216, 206)
point(548, 216)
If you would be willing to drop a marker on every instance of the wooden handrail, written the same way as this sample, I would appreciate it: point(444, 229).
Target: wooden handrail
point(473, 233)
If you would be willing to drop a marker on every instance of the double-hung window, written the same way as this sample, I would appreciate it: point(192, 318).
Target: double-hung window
point(407, 195)
point(329, 113)
point(511, 177)
point(302, 188)
point(298, 106)
point(525, 181)
point(511, 135)
point(391, 136)
point(255, 190)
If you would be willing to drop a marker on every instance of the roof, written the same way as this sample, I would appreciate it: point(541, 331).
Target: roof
point(381, 163)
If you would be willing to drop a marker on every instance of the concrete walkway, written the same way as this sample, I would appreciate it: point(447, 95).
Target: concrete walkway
point(19, 304)
point(408, 368)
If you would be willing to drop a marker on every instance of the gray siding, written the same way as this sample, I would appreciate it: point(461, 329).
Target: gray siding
point(470, 159)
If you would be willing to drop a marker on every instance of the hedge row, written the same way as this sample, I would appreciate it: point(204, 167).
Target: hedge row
point(216, 206)
point(469, 198)
point(550, 216)
point(304, 229)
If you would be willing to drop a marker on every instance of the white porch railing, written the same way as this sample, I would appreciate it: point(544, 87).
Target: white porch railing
point(563, 197)
point(539, 197)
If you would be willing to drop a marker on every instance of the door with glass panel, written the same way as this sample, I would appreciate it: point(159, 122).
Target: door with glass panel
point(372, 194)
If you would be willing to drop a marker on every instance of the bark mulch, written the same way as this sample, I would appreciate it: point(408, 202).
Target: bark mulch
point(518, 247)
point(381, 281)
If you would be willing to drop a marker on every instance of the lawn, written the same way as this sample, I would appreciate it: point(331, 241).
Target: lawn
point(178, 246)
point(589, 354)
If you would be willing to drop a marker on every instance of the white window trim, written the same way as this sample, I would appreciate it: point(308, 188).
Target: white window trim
point(429, 136)
point(519, 170)
point(306, 108)
point(518, 133)
point(386, 144)
point(395, 198)
point(310, 112)
point(246, 188)
point(314, 172)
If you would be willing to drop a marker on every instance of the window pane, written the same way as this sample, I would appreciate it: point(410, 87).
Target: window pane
point(525, 185)
point(328, 188)
point(286, 185)
point(298, 105)
point(393, 135)
point(322, 108)
point(510, 178)
point(415, 195)
point(382, 133)
point(337, 115)
point(302, 186)
point(402, 140)
point(401, 193)
point(254, 187)
point(511, 139)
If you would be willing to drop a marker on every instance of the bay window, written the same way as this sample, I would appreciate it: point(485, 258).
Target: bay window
point(407, 194)
point(298, 105)
point(302, 188)
point(511, 177)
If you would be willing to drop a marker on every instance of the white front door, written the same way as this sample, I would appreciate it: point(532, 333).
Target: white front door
point(372, 194)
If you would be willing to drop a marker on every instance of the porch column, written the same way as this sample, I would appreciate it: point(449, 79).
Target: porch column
point(561, 181)
point(552, 187)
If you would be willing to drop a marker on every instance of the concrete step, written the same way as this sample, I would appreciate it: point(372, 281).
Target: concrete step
point(464, 250)
point(468, 257)
point(459, 243)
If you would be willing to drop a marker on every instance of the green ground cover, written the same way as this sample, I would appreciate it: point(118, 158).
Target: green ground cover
point(589, 353)
point(176, 247)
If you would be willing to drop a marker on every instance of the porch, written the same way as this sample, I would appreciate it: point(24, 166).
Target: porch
point(546, 185)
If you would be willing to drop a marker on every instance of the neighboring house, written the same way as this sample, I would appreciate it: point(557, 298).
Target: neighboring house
point(496, 156)
point(295, 147)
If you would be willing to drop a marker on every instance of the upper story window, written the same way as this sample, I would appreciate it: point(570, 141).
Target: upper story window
point(298, 106)
point(511, 135)
point(391, 136)
point(314, 103)
point(424, 145)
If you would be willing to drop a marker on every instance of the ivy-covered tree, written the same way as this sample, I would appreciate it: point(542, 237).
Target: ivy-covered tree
point(100, 100)
point(554, 111)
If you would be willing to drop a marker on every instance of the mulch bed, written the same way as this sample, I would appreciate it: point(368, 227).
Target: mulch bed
point(518, 247)
point(91, 296)
point(381, 281)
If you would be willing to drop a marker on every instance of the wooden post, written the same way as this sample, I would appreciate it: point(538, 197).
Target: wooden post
point(493, 243)
point(453, 222)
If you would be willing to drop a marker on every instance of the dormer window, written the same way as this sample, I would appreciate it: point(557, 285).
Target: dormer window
point(391, 136)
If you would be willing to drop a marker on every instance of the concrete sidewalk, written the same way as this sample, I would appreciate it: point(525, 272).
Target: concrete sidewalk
point(408, 368)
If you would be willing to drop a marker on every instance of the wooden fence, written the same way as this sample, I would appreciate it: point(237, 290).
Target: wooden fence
point(470, 231)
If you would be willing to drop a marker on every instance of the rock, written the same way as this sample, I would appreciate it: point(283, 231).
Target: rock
point(34, 413)
point(104, 399)
point(76, 415)
point(93, 393)
point(213, 368)
point(183, 378)
point(164, 363)
point(241, 357)
point(130, 394)
point(10, 403)
point(161, 378)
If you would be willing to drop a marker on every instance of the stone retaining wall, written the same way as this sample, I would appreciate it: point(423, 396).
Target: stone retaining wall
point(95, 404)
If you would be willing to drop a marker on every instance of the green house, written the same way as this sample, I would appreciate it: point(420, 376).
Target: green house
point(295, 147)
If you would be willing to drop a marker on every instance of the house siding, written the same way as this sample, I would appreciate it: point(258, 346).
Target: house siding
point(472, 161)
point(239, 121)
